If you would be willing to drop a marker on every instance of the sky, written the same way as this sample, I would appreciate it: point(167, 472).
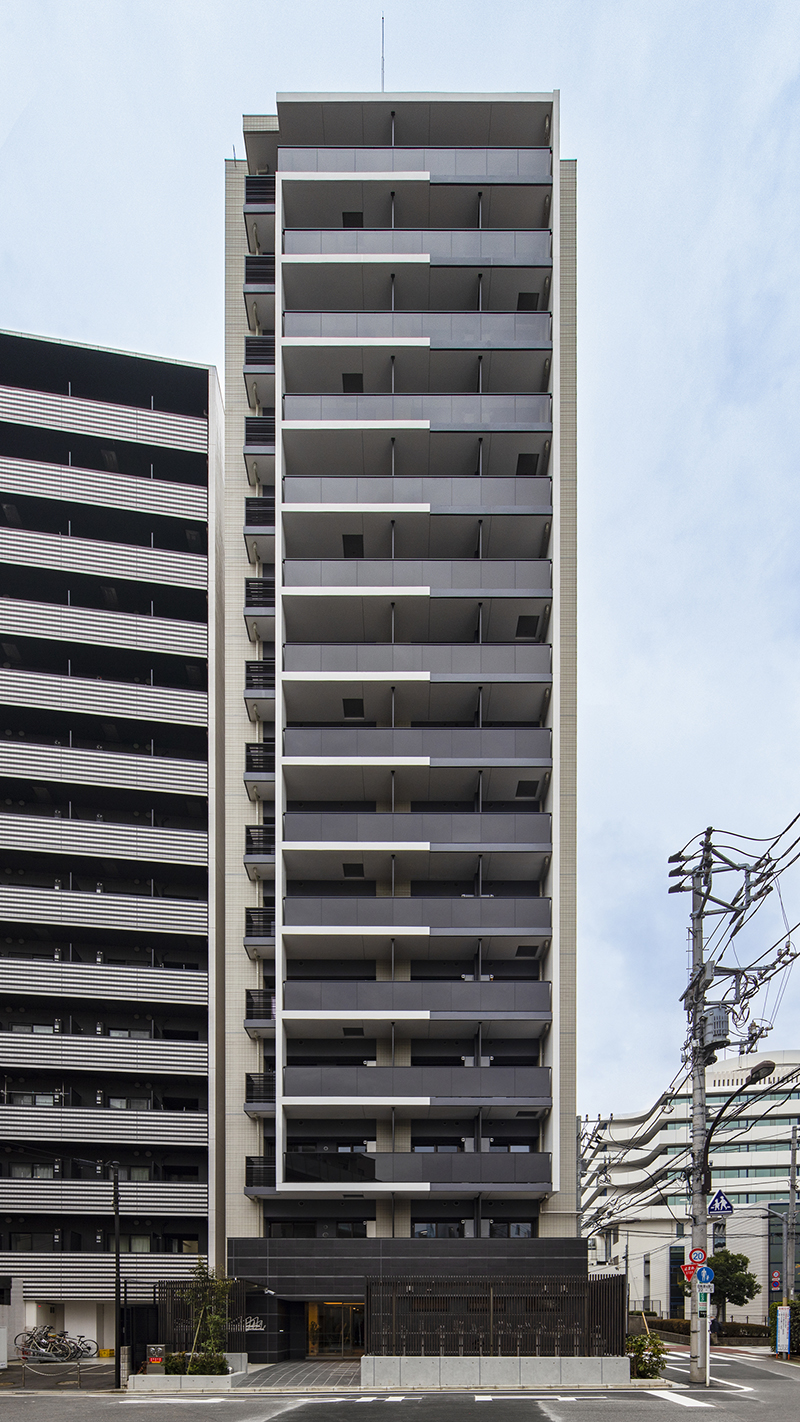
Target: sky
point(115, 119)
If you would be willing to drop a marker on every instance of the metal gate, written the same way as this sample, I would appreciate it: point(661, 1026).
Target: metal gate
point(179, 1306)
point(522, 1316)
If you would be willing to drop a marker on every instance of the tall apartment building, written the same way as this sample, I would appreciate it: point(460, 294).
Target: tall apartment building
point(109, 882)
point(636, 1171)
point(400, 699)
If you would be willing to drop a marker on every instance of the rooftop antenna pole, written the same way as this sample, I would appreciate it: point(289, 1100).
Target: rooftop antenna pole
point(383, 50)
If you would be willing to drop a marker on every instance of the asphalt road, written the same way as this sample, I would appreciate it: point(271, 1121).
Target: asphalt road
point(741, 1387)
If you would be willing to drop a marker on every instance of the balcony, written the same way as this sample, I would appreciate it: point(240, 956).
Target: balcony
point(259, 353)
point(471, 494)
point(443, 916)
point(259, 851)
point(490, 1170)
point(94, 1197)
point(468, 247)
point(102, 981)
point(259, 927)
point(102, 840)
point(259, 530)
point(260, 1173)
point(102, 1125)
point(99, 1054)
point(259, 1013)
point(259, 689)
point(454, 165)
point(259, 608)
point(501, 1000)
point(259, 774)
point(461, 576)
point(435, 744)
point(516, 833)
point(260, 1093)
point(517, 413)
point(259, 190)
point(77, 766)
point(73, 908)
point(68, 1275)
point(259, 434)
point(435, 1086)
point(456, 330)
point(259, 271)
point(449, 660)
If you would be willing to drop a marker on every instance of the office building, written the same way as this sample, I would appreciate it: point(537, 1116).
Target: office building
point(110, 887)
point(635, 1175)
point(399, 701)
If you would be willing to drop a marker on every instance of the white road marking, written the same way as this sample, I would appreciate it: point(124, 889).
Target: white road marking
point(401, 1398)
point(676, 1397)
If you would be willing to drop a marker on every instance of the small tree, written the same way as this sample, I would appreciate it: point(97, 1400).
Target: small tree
point(733, 1282)
point(208, 1296)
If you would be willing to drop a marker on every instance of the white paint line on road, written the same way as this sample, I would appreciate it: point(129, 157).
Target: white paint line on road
point(726, 1382)
point(676, 1397)
point(401, 1398)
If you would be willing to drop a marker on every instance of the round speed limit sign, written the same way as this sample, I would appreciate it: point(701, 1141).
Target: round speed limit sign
point(698, 1256)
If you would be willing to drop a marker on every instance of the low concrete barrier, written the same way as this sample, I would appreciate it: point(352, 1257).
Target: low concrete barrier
point(186, 1382)
point(410, 1373)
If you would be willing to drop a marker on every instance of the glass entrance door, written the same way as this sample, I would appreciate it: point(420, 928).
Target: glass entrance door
point(335, 1330)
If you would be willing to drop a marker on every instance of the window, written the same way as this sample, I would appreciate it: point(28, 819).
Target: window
point(134, 1172)
point(351, 1229)
point(32, 1172)
point(292, 1229)
point(500, 1229)
point(134, 1243)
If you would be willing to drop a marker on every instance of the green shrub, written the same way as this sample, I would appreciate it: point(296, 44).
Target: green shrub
point(647, 1354)
point(208, 1364)
point(674, 1325)
point(175, 1363)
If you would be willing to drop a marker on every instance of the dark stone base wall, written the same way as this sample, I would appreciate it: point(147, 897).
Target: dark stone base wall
point(302, 1270)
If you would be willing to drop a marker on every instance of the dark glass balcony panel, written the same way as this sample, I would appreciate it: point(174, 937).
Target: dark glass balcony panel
point(259, 922)
point(260, 676)
point(259, 271)
point(259, 513)
point(259, 188)
point(529, 1170)
point(260, 840)
point(530, 1085)
point(489, 329)
point(259, 350)
point(259, 1005)
point(528, 412)
point(260, 757)
point(259, 431)
point(260, 1086)
point(259, 1172)
point(259, 592)
point(445, 659)
point(514, 495)
point(526, 577)
point(460, 915)
point(440, 743)
point(463, 165)
point(487, 246)
point(517, 831)
point(482, 999)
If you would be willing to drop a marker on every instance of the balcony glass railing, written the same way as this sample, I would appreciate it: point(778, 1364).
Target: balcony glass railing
point(259, 271)
point(459, 1082)
point(482, 998)
point(259, 513)
point(463, 164)
point(520, 832)
point(439, 742)
point(259, 1004)
point(259, 430)
point(259, 188)
point(449, 411)
point(518, 495)
point(447, 658)
point(259, 592)
point(460, 914)
point(260, 758)
point(513, 248)
point(259, 840)
point(259, 350)
point(259, 922)
point(528, 577)
point(259, 1172)
point(260, 1087)
point(446, 328)
point(457, 1168)
point(260, 676)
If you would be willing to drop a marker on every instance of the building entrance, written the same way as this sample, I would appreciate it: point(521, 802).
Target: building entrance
point(335, 1330)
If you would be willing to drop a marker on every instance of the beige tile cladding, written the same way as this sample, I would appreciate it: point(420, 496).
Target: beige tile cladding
point(243, 1136)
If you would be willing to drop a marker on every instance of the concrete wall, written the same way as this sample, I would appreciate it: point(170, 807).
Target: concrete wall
point(410, 1373)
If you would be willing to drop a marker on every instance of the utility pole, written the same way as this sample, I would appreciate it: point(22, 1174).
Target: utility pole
point(792, 1222)
point(698, 1326)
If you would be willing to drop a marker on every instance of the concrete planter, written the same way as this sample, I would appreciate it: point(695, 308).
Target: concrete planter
point(189, 1382)
point(409, 1373)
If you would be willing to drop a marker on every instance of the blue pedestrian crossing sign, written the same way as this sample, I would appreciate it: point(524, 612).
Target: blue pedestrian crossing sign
point(705, 1275)
point(720, 1205)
